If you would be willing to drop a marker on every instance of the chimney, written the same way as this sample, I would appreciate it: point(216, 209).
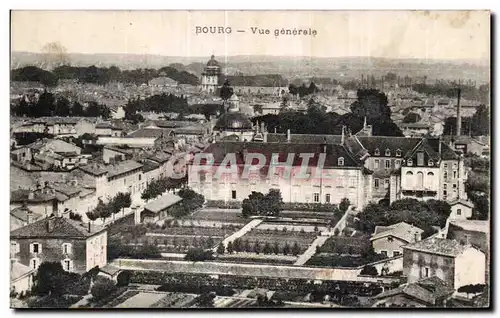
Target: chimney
point(90, 227)
point(29, 217)
point(50, 224)
point(459, 118)
point(265, 136)
point(288, 137)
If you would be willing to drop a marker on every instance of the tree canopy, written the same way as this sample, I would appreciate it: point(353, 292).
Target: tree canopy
point(257, 203)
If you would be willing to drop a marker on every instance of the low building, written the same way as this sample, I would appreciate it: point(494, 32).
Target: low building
point(160, 208)
point(461, 209)
point(388, 240)
point(22, 216)
point(428, 292)
point(415, 129)
point(78, 246)
point(456, 264)
point(473, 232)
point(21, 277)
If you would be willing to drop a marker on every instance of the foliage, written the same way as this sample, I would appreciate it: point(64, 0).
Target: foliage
point(75, 216)
point(198, 255)
point(226, 91)
point(369, 270)
point(206, 300)
point(52, 279)
point(221, 249)
point(34, 74)
point(158, 187)
point(270, 204)
point(303, 90)
point(116, 249)
point(102, 288)
point(162, 103)
point(344, 205)
point(221, 204)
point(422, 214)
point(316, 207)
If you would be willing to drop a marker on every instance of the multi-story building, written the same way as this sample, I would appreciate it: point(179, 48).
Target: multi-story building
point(388, 240)
point(78, 246)
point(294, 169)
point(455, 263)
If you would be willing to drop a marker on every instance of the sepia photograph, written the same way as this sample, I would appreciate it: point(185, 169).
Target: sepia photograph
point(238, 159)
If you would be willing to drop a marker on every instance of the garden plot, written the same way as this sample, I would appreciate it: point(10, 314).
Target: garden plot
point(141, 300)
point(223, 216)
point(293, 227)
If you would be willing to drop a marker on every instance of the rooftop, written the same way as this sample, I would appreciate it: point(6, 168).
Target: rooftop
point(162, 202)
point(62, 228)
point(22, 212)
point(401, 230)
point(122, 167)
point(18, 270)
point(439, 246)
point(150, 133)
point(472, 225)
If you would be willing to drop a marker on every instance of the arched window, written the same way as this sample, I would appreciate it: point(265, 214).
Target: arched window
point(430, 179)
point(409, 179)
point(341, 161)
point(430, 162)
point(387, 152)
point(420, 179)
point(377, 152)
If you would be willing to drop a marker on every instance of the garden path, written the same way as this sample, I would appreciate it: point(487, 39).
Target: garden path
point(244, 230)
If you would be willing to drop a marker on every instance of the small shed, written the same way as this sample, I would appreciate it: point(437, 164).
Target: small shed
point(159, 209)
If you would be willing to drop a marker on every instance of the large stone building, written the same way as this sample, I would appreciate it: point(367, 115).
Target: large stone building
point(79, 247)
point(210, 76)
point(233, 125)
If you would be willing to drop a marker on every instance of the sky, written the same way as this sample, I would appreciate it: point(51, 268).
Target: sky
point(391, 34)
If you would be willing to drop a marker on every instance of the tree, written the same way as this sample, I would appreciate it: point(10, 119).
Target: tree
point(62, 107)
point(92, 216)
point(206, 300)
point(336, 232)
point(369, 270)
point(472, 289)
point(267, 248)
point(123, 200)
point(295, 249)
point(276, 248)
point(226, 91)
point(50, 279)
point(256, 247)
point(221, 249)
point(102, 288)
point(286, 249)
point(229, 248)
point(344, 205)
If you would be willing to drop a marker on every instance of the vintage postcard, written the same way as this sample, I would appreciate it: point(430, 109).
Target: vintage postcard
point(246, 159)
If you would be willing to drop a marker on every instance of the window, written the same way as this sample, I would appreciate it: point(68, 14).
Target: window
point(420, 159)
point(398, 153)
point(390, 239)
point(233, 194)
point(387, 152)
point(410, 162)
point(316, 197)
point(454, 186)
point(430, 163)
point(202, 177)
point(14, 249)
point(384, 253)
point(388, 164)
point(35, 262)
point(459, 211)
point(386, 183)
point(426, 271)
point(66, 248)
point(376, 183)
point(377, 164)
point(445, 194)
point(396, 253)
point(341, 161)
point(454, 165)
point(327, 198)
point(420, 179)
point(446, 166)
point(35, 248)
point(397, 163)
point(67, 265)
point(353, 182)
point(445, 175)
point(140, 176)
point(377, 152)
point(445, 186)
point(454, 174)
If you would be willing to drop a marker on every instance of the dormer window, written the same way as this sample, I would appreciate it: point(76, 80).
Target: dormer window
point(430, 163)
point(398, 153)
point(340, 161)
point(410, 162)
point(387, 152)
point(377, 152)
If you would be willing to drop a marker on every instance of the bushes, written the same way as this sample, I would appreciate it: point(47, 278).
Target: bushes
point(369, 270)
point(102, 288)
point(317, 207)
point(198, 255)
point(221, 204)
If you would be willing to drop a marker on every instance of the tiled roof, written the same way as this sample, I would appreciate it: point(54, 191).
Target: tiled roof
point(122, 167)
point(94, 169)
point(149, 166)
point(427, 290)
point(333, 152)
point(22, 195)
point(472, 225)
point(439, 246)
point(463, 202)
point(401, 230)
point(22, 212)
point(162, 202)
point(149, 133)
point(62, 228)
point(18, 270)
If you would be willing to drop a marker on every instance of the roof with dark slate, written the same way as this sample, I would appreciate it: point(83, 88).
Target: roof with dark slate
point(62, 228)
point(439, 246)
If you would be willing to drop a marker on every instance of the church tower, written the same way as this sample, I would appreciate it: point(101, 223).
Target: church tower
point(210, 76)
